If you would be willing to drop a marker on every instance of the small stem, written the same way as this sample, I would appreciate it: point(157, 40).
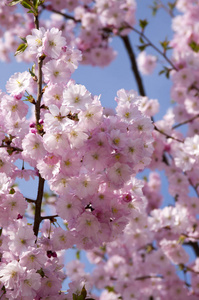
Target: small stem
point(193, 186)
point(167, 135)
point(185, 122)
point(195, 247)
point(49, 217)
point(11, 148)
point(38, 203)
point(169, 11)
point(134, 67)
point(66, 16)
point(149, 277)
point(152, 45)
point(36, 21)
point(30, 200)
point(39, 89)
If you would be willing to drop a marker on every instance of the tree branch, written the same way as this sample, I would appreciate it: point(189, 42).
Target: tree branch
point(167, 135)
point(134, 67)
point(66, 16)
point(50, 217)
point(185, 122)
point(30, 200)
point(194, 246)
point(38, 203)
point(149, 43)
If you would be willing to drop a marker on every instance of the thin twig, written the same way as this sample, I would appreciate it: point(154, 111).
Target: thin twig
point(185, 122)
point(194, 246)
point(38, 203)
point(66, 16)
point(149, 43)
point(149, 277)
point(40, 191)
point(167, 135)
point(49, 217)
point(9, 147)
point(134, 67)
point(162, 5)
point(30, 200)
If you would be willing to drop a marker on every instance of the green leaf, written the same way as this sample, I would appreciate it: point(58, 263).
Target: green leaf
point(12, 191)
point(84, 292)
point(26, 5)
point(110, 288)
point(194, 46)
point(30, 12)
point(23, 39)
point(32, 71)
point(165, 71)
point(41, 272)
point(165, 45)
point(36, 3)
point(154, 8)
point(14, 2)
point(74, 297)
point(78, 254)
point(141, 40)
point(143, 47)
point(143, 23)
point(21, 48)
point(171, 5)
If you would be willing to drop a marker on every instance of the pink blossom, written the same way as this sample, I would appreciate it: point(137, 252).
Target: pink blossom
point(146, 63)
point(53, 43)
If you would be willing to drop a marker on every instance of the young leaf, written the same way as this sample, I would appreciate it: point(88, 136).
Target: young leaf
point(143, 47)
point(36, 3)
point(23, 39)
point(14, 2)
point(21, 49)
point(26, 5)
point(84, 292)
point(78, 254)
point(194, 46)
point(143, 23)
point(32, 71)
point(165, 45)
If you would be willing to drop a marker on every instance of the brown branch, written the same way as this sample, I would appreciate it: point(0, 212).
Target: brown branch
point(185, 122)
point(149, 43)
point(167, 135)
point(168, 10)
point(40, 191)
point(66, 16)
point(194, 246)
point(9, 147)
point(193, 186)
point(30, 200)
point(38, 203)
point(51, 218)
point(39, 89)
point(134, 67)
point(149, 277)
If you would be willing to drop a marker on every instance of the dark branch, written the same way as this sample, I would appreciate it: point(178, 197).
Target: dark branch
point(134, 67)
point(149, 277)
point(30, 200)
point(194, 246)
point(51, 218)
point(185, 122)
point(38, 203)
point(167, 135)
point(66, 16)
point(149, 43)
